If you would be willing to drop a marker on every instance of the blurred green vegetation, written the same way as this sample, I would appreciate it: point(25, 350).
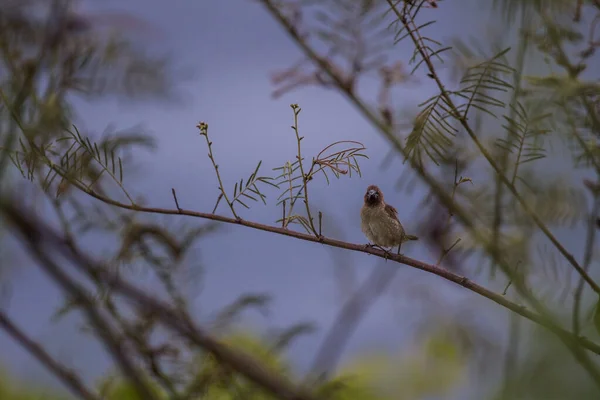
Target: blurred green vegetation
point(433, 367)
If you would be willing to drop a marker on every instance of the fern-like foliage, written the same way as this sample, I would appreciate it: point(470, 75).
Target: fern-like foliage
point(433, 132)
point(339, 158)
point(242, 190)
point(579, 136)
point(525, 137)
point(86, 162)
point(482, 88)
point(406, 26)
point(292, 183)
point(484, 83)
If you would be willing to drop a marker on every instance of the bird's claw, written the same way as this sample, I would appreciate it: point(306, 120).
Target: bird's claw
point(386, 253)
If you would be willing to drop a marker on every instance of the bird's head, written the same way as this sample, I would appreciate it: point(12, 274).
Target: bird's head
point(373, 196)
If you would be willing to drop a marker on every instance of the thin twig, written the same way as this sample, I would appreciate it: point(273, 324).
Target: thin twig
point(203, 127)
point(297, 110)
point(320, 223)
point(446, 251)
point(283, 217)
point(510, 280)
point(175, 198)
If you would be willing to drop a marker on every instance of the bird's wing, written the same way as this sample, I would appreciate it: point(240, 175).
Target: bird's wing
point(391, 211)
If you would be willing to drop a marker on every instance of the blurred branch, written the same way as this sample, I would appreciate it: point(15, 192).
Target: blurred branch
point(68, 378)
point(512, 352)
point(589, 251)
point(41, 239)
point(348, 319)
point(102, 328)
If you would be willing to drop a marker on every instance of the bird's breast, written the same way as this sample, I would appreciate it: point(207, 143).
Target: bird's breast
point(380, 228)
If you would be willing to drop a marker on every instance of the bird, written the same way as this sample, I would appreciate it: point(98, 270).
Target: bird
point(380, 223)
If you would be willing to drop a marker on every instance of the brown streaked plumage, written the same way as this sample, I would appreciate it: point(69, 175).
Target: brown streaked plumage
point(379, 221)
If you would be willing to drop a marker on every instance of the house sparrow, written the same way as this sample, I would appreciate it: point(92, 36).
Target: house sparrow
point(379, 221)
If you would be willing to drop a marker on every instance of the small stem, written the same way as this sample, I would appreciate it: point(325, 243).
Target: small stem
point(283, 216)
point(175, 198)
point(510, 281)
point(204, 132)
point(217, 203)
point(320, 223)
point(446, 251)
point(297, 110)
point(292, 198)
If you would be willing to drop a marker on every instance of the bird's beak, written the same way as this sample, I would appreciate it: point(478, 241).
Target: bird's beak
point(372, 193)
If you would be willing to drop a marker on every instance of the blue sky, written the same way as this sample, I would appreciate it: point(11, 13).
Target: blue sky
point(232, 47)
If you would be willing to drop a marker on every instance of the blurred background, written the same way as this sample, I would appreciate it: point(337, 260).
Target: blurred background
point(401, 332)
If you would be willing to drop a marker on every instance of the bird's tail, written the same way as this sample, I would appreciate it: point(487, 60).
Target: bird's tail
point(410, 237)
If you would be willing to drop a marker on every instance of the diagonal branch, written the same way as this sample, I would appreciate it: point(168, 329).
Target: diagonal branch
point(348, 319)
point(42, 239)
point(68, 378)
point(101, 327)
point(433, 269)
point(463, 121)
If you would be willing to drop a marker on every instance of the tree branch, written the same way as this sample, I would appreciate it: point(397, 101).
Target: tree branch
point(67, 377)
point(439, 271)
